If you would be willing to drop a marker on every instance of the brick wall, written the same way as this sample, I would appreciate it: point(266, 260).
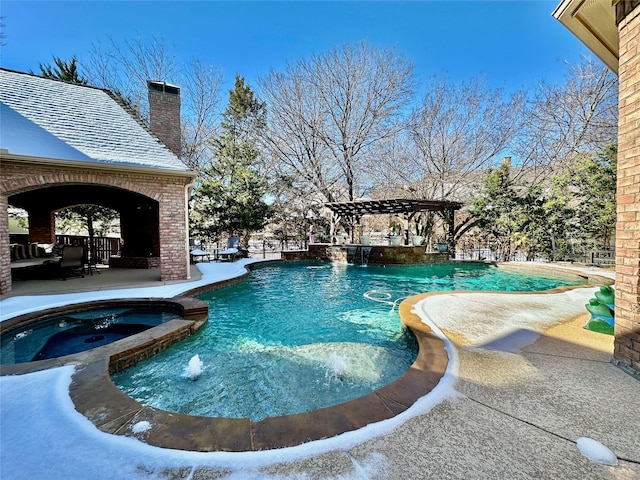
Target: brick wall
point(168, 191)
point(164, 115)
point(42, 227)
point(5, 255)
point(627, 323)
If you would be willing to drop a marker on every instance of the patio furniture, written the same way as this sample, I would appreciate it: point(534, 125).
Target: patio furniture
point(199, 254)
point(92, 265)
point(233, 250)
point(72, 261)
point(230, 254)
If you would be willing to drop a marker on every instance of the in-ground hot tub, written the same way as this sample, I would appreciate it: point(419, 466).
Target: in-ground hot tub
point(74, 329)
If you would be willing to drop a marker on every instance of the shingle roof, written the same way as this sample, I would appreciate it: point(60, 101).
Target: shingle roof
point(52, 119)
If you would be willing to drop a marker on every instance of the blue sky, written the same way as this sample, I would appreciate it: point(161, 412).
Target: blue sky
point(513, 44)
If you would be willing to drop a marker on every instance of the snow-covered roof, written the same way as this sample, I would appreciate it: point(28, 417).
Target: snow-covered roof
point(50, 119)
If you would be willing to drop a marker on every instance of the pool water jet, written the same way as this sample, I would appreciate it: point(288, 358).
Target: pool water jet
point(194, 367)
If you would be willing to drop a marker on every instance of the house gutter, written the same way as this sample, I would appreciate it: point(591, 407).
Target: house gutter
point(111, 167)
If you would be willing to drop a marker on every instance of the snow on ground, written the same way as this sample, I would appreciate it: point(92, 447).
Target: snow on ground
point(513, 320)
point(594, 450)
point(211, 273)
point(37, 415)
point(44, 437)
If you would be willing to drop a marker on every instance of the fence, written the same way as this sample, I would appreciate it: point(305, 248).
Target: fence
point(599, 258)
point(603, 258)
point(103, 247)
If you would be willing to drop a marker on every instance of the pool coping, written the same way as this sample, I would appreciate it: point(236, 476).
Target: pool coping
point(112, 411)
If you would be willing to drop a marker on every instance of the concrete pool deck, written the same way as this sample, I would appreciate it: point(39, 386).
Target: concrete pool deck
point(515, 407)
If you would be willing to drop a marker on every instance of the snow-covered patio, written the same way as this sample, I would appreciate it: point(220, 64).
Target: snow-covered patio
point(516, 401)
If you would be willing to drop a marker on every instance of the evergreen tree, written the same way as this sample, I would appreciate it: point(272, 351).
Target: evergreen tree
point(496, 209)
point(574, 213)
point(230, 197)
point(66, 71)
point(589, 187)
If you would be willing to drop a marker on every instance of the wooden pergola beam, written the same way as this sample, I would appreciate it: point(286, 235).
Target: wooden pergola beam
point(392, 206)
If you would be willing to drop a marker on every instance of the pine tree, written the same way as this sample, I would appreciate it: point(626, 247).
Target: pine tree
point(230, 197)
point(67, 71)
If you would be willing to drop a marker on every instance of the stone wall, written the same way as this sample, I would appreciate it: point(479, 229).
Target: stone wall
point(627, 321)
point(376, 255)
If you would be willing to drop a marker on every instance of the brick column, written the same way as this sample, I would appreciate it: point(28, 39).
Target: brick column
point(627, 322)
point(173, 232)
point(5, 255)
point(42, 226)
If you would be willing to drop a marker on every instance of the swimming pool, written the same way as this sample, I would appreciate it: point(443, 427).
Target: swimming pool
point(298, 337)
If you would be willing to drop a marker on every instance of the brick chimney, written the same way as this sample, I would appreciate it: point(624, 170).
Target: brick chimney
point(164, 113)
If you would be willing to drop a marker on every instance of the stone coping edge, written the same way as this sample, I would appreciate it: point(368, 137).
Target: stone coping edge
point(112, 411)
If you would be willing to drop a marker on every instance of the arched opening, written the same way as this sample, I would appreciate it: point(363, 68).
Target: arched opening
point(138, 219)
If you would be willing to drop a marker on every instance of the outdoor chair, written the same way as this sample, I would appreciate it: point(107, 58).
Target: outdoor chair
point(232, 251)
point(72, 261)
point(199, 255)
point(92, 265)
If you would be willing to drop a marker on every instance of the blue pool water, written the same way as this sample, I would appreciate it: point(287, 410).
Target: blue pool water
point(298, 337)
point(77, 331)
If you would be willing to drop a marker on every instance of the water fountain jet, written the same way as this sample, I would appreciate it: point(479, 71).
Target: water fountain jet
point(194, 368)
point(336, 365)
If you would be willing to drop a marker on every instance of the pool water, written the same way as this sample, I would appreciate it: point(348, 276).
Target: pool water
point(74, 332)
point(298, 337)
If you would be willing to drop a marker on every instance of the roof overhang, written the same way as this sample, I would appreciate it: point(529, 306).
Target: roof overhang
point(594, 23)
point(392, 206)
point(6, 156)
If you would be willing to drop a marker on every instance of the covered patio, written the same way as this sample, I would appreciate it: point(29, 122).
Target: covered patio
point(104, 279)
point(66, 145)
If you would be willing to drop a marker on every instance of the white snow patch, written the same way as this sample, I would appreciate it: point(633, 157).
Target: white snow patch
point(596, 451)
point(502, 321)
point(141, 427)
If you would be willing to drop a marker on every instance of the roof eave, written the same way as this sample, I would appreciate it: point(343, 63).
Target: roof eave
point(113, 167)
point(595, 26)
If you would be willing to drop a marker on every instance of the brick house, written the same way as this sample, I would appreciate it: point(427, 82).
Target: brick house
point(611, 29)
point(63, 145)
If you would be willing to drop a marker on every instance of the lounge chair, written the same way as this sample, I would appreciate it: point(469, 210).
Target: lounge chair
point(199, 254)
point(233, 250)
point(72, 261)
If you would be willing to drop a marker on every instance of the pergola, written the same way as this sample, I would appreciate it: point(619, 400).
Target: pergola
point(405, 206)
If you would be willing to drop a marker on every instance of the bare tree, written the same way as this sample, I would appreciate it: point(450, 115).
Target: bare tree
point(3, 35)
point(458, 131)
point(293, 139)
point(574, 119)
point(326, 113)
point(126, 69)
point(200, 102)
